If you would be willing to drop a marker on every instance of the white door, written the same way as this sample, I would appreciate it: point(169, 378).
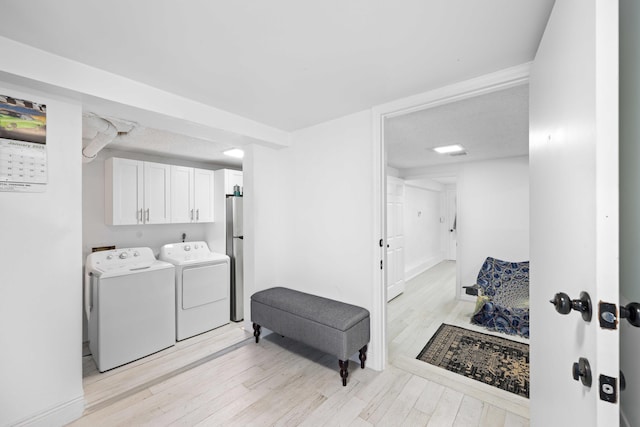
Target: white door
point(157, 193)
point(574, 210)
point(203, 195)
point(181, 194)
point(452, 221)
point(395, 237)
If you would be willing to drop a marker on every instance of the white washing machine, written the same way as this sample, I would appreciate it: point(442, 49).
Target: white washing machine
point(202, 287)
point(130, 305)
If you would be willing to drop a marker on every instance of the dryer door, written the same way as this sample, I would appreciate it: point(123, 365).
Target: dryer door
point(204, 284)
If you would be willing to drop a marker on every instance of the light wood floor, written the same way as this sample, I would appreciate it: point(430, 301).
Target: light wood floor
point(224, 378)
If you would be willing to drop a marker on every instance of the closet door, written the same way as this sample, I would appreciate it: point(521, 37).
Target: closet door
point(395, 237)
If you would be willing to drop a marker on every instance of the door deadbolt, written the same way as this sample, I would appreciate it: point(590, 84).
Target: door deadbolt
point(564, 304)
point(582, 371)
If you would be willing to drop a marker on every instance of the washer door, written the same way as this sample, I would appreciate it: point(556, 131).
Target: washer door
point(204, 285)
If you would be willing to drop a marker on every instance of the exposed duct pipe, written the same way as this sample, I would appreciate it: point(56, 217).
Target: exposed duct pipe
point(106, 132)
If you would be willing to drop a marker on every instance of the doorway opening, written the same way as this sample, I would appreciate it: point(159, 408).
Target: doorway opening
point(465, 184)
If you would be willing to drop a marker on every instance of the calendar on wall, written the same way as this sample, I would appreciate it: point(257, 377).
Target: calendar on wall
point(23, 145)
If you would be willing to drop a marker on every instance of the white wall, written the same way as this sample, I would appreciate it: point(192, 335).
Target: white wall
point(313, 213)
point(493, 214)
point(423, 240)
point(268, 208)
point(629, 202)
point(40, 279)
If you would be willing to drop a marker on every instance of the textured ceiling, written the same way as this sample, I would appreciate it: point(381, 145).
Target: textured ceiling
point(490, 126)
point(286, 63)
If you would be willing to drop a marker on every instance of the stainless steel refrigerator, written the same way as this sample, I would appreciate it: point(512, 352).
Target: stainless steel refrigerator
point(235, 251)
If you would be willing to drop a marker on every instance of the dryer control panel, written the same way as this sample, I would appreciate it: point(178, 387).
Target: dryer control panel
point(178, 253)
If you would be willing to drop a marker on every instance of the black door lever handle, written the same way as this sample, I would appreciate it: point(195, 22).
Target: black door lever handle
point(564, 304)
point(631, 312)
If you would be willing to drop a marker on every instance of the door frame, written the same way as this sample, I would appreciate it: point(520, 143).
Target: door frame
point(493, 82)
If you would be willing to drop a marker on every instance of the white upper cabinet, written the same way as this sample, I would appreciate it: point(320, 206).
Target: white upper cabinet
point(124, 191)
point(136, 192)
point(191, 195)
point(203, 195)
point(157, 193)
point(181, 194)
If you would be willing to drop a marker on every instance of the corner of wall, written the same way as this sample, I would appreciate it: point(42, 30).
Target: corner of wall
point(60, 415)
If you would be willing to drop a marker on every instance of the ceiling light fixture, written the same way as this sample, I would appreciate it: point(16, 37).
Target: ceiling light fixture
point(234, 152)
point(448, 149)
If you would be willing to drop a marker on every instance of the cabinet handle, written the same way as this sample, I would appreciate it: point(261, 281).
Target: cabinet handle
point(197, 214)
point(140, 216)
point(191, 214)
point(147, 214)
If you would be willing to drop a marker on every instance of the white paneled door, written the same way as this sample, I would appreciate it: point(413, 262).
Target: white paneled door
point(395, 237)
point(574, 214)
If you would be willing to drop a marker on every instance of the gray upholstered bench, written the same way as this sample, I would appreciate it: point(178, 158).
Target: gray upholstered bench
point(331, 326)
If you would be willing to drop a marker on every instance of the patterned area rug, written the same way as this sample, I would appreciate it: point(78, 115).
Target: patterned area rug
point(492, 360)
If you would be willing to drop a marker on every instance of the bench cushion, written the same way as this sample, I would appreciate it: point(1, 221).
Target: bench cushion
point(335, 314)
point(331, 326)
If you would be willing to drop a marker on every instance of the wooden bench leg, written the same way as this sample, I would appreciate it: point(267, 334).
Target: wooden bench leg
point(363, 356)
point(344, 370)
point(256, 332)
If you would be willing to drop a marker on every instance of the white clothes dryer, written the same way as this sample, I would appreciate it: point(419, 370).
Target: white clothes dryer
point(130, 305)
point(202, 287)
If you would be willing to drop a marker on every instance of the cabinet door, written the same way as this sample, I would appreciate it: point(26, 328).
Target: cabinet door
point(203, 195)
point(123, 191)
point(157, 193)
point(182, 209)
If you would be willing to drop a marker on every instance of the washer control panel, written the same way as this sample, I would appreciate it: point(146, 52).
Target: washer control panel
point(121, 259)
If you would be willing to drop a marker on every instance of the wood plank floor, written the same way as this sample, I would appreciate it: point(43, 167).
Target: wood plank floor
point(224, 378)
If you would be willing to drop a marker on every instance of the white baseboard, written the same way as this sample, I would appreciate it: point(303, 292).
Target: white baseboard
point(60, 415)
point(465, 297)
point(412, 272)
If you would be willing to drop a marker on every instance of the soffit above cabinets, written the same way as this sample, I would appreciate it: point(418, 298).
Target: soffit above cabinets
point(135, 137)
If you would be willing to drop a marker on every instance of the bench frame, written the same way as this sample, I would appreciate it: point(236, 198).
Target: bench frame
point(343, 364)
point(331, 326)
